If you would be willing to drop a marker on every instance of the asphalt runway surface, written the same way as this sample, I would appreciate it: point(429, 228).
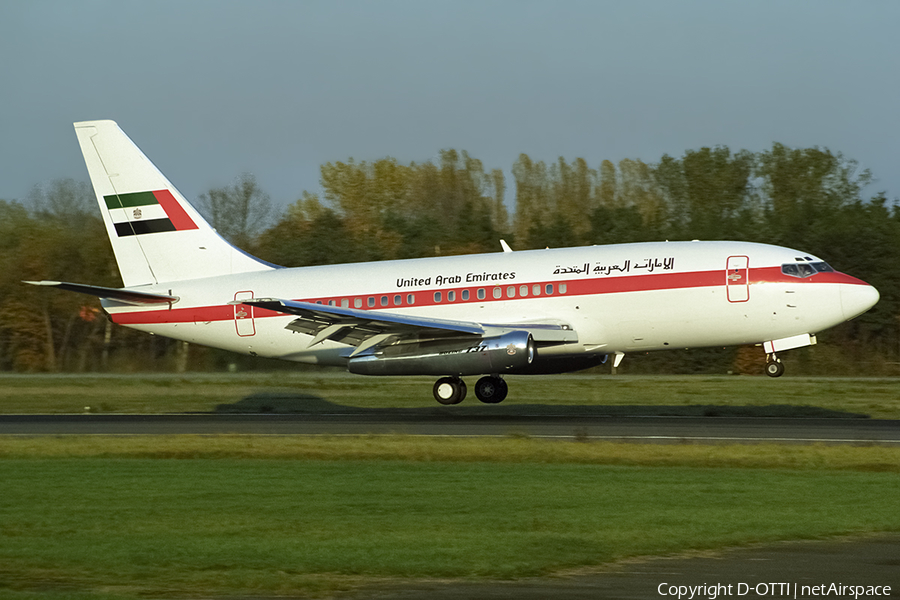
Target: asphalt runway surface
point(318, 417)
point(771, 571)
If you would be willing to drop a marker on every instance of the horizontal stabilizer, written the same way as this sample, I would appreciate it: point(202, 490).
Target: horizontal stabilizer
point(120, 295)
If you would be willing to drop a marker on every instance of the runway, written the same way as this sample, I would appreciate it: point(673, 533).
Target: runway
point(562, 422)
point(796, 565)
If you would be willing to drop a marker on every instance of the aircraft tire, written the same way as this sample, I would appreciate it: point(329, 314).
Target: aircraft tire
point(775, 369)
point(449, 390)
point(491, 390)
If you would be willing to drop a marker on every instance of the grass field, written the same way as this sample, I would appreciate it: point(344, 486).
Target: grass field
point(876, 397)
point(242, 515)
point(123, 517)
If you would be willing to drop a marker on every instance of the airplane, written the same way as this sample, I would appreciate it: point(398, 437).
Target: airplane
point(489, 315)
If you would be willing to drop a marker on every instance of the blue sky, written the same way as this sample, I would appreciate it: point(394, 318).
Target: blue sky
point(212, 89)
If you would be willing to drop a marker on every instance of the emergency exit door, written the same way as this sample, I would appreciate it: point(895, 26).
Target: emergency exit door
point(243, 315)
point(737, 278)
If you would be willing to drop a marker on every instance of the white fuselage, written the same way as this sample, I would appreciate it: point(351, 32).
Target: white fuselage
point(618, 298)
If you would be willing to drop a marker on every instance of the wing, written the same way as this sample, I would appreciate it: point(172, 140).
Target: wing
point(367, 329)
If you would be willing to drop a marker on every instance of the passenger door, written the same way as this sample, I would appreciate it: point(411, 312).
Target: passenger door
point(737, 278)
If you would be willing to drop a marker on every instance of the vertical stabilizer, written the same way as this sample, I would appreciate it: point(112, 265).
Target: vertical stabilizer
point(157, 236)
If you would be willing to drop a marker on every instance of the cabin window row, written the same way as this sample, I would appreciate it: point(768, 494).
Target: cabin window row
point(374, 301)
point(512, 291)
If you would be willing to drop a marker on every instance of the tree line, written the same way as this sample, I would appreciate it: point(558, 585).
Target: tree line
point(810, 199)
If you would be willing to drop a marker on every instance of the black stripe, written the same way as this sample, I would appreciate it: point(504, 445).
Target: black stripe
point(142, 227)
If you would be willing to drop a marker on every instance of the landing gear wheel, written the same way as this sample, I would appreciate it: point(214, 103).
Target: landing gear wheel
point(491, 390)
point(775, 368)
point(449, 390)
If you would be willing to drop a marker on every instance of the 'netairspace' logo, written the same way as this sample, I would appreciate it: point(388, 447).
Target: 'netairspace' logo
point(776, 590)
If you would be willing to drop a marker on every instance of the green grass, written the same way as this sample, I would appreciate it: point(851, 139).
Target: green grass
point(160, 516)
point(877, 397)
point(90, 517)
point(513, 449)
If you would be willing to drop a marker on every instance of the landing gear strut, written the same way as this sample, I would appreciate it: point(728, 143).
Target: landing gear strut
point(449, 390)
point(774, 367)
point(491, 389)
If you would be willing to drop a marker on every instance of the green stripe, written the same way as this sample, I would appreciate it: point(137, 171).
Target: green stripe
point(129, 200)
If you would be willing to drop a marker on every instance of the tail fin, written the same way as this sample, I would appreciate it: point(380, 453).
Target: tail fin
point(156, 235)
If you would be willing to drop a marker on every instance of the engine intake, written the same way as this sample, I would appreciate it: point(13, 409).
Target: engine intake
point(459, 356)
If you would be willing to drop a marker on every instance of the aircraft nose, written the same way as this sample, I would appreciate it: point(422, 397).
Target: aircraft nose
point(857, 299)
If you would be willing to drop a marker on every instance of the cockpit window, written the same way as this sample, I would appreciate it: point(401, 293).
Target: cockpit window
point(805, 269)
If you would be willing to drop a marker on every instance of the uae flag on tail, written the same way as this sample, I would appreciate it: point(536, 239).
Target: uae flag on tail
point(147, 212)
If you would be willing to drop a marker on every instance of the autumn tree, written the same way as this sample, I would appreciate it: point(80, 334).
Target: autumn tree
point(804, 188)
point(61, 238)
point(706, 191)
point(239, 212)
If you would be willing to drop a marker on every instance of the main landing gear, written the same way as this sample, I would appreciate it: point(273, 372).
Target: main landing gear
point(491, 389)
point(449, 390)
point(774, 367)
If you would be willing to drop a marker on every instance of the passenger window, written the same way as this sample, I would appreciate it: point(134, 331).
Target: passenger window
point(437, 296)
point(398, 300)
point(451, 296)
point(523, 290)
point(497, 292)
point(549, 288)
point(332, 303)
point(410, 298)
point(318, 302)
point(357, 303)
point(371, 301)
point(384, 301)
point(465, 294)
point(345, 303)
point(481, 293)
point(536, 289)
point(562, 288)
point(511, 291)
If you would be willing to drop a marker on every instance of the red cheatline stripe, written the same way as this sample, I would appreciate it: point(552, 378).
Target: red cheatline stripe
point(577, 287)
point(177, 214)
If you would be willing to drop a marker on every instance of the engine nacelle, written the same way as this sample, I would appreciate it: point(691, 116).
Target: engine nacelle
point(546, 365)
point(512, 351)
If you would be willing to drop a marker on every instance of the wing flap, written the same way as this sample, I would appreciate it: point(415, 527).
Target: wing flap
point(369, 328)
point(376, 321)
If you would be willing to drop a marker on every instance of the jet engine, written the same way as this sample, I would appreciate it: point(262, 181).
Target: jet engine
point(513, 351)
